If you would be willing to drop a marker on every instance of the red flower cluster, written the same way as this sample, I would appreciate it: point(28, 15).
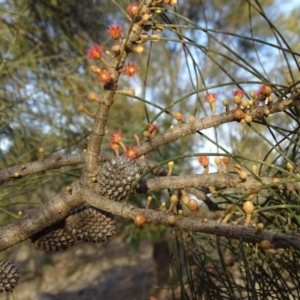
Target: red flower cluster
point(115, 31)
point(130, 69)
point(115, 140)
point(132, 153)
point(105, 76)
point(95, 52)
point(132, 9)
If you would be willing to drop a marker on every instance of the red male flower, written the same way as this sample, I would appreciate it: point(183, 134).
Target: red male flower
point(130, 69)
point(115, 141)
point(264, 90)
point(95, 52)
point(239, 93)
point(116, 138)
point(115, 31)
point(132, 9)
point(105, 76)
point(131, 152)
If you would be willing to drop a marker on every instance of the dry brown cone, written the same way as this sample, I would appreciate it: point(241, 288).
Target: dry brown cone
point(54, 238)
point(9, 276)
point(83, 224)
point(91, 225)
point(117, 176)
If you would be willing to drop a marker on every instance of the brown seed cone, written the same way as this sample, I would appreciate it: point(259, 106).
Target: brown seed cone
point(9, 276)
point(117, 176)
point(54, 238)
point(91, 225)
point(83, 224)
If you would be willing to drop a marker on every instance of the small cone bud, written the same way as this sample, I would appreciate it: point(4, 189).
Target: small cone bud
point(266, 245)
point(248, 208)
point(140, 219)
point(171, 220)
point(178, 116)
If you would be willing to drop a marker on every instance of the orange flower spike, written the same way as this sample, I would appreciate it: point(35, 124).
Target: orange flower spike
point(116, 138)
point(104, 76)
point(130, 69)
point(115, 31)
point(95, 52)
point(211, 99)
point(132, 9)
point(132, 153)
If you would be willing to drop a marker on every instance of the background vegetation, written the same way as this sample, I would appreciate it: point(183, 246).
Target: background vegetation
point(205, 47)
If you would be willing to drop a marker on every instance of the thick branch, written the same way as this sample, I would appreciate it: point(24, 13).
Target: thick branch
point(59, 161)
point(51, 163)
point(51, 212)
point(61, 205)
point(238, 232)
point(93, 149)
point(182, 130)
point(218, 181)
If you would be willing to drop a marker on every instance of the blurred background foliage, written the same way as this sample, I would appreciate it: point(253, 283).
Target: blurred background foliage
point(206, 47)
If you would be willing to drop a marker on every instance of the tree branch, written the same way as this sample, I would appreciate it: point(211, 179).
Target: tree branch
point(60, 206)
point(51, 163)
point(59, 161)
point(218, 181)
point(51, 212)
point(238, 232)
point(116, 64)
point(183, 130)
